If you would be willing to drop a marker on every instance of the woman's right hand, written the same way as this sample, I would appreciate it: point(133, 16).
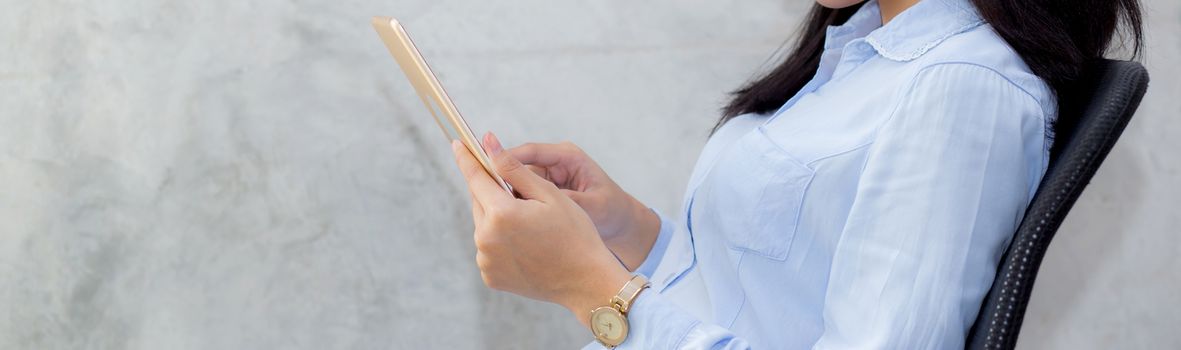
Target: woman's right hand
point(627, 226)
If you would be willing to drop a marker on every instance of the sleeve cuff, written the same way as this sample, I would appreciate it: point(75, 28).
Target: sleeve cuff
point(648, 267)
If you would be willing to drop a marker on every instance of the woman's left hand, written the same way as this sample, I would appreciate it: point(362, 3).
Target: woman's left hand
point(541, 245)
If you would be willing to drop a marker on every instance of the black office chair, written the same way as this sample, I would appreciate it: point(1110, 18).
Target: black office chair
point(1092, 120)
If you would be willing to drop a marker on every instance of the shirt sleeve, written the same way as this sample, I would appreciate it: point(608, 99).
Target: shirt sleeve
point(648, 267)
point(657, 324)
point(943, 188)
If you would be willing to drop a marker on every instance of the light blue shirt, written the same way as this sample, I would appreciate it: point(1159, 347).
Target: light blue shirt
point(870, 211)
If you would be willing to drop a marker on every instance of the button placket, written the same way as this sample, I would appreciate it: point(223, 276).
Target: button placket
point(856, 53)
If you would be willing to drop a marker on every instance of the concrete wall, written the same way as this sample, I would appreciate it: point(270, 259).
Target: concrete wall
point(257, 174)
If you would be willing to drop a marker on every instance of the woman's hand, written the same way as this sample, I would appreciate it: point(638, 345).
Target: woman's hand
point(541, 245)
point(627, 226)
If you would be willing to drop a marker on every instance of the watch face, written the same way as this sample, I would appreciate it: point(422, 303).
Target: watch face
point(609, 326)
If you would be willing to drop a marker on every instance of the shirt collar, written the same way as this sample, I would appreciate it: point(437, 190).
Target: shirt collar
point(910, 34)
point(864, 21)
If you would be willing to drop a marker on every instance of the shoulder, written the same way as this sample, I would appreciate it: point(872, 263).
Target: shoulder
point(978, 55)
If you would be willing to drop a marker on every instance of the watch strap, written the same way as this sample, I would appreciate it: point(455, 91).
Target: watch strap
point(623, 300)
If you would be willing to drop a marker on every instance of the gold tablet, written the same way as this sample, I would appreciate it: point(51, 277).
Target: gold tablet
point(433, 96)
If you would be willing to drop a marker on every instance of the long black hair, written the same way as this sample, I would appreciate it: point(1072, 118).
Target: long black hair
point(1055, 38)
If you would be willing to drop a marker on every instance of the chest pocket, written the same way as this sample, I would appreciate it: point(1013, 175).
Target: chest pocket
point(752, 196)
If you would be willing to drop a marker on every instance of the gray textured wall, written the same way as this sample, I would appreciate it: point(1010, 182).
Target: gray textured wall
point(257, 174)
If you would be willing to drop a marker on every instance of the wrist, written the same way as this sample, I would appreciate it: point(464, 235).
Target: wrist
point(638, 236)
point(609, 323)
point(596, 291)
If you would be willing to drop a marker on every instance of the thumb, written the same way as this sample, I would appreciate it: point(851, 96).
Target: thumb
point(523, 180)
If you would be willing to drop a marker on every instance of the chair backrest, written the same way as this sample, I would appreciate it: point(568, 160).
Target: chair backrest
point(1091, 120)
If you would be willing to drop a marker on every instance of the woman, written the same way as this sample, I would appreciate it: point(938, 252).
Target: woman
point(860, 195)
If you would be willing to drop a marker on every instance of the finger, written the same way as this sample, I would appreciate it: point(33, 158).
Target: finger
point(524, 181)
point(540, 154)
point(562, 161)
point(477, 210)
point(576, 196)
point(540, 171)
point(557, 175)
point(488, 281)
point(482, 261)
point(483, 188)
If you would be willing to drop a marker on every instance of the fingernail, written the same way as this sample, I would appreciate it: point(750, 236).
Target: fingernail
point(455, 145)
point(493, 143)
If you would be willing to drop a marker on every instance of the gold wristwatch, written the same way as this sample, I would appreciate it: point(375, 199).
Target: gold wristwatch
point(609, 323)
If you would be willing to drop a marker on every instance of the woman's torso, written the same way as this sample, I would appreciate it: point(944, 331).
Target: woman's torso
point(770, 196)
